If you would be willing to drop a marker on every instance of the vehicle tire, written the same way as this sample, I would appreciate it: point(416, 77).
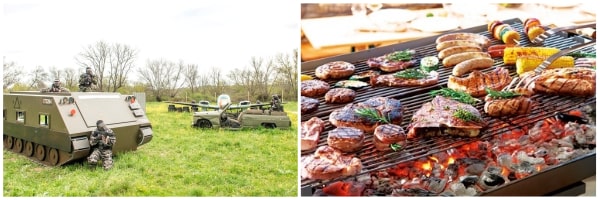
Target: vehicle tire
point(203, 123)
point(18, 147)
point(269, 125)
point(40, 152)
point(8, 142)
point(28, 151)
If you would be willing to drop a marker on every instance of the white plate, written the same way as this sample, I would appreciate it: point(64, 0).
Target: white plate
point(434, 24)
point(393, 15)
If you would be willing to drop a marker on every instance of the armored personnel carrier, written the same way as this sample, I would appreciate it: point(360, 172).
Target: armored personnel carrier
point(53, 128)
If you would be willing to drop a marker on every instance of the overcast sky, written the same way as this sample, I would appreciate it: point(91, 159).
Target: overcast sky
point(225, 35)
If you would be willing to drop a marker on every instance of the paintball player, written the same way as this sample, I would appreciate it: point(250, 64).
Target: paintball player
point(276, 104)
point(86, 80)
point(101, 142)
point(56, 87)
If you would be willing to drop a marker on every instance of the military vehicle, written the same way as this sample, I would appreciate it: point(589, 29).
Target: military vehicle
point(244, 115)
point(53, 128)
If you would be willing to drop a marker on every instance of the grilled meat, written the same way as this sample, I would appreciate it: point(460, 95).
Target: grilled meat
point(308, 105)
point(565, 81)
point(311, 130)
point(329, 163)
point(346, 117)
point(335, 70)
point(518, 105)
point(340, 95)
point(391, 80)
point(441, 117)
point(476, 82)
point(388, 134)
point(457, 49)
point(346, 139)
point(482, 40)
point(387, 65)
point(313, 88)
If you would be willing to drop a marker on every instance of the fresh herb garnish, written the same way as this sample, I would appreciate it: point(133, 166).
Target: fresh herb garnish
point(455, 95)
point(405, 55)
point(465, 115)
point(371, 114)
point(501, 94)
point(581, 54)
point(396, 147)
point(411, 74)
point(429, 15)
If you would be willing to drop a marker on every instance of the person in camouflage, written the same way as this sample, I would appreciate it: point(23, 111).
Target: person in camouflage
point(276, 104)
point(86, 80)
point(56, 87)
point(101, 142)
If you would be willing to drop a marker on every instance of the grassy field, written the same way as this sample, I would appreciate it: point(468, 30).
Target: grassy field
point(179, 161)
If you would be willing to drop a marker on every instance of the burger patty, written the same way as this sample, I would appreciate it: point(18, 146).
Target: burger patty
point(340, 95)
point(313, 88)
point(335, 70)
point(308, 105)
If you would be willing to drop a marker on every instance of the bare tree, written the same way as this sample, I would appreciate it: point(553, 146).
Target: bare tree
point(191, 76)
point(261, 76)
point(71, 78)
point(39, 75)
point(287, 73)
point(97, 57)
point(11, 74)
point(215, 81)
point(56, 73)
point(161, 76)
point(243, 78)
point(121, 59)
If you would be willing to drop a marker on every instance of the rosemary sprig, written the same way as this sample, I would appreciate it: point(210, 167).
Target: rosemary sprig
point(581, 54)
point(371, 114)
point(501, 94)
point(465, 115)
point(396, 147)
point(405, 55)
point(411, 74)
point(455, 95)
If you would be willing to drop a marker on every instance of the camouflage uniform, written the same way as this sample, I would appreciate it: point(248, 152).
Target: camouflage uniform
point(55, 87)
point(86, 80)
point(102, 141)
point(276, 104)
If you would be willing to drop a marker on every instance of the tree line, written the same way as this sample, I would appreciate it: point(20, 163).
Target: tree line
point(164, 79)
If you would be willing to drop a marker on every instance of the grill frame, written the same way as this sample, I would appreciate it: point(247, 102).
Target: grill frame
point(413, 97)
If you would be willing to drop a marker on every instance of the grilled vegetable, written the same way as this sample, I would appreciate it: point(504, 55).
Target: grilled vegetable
point(501, 94)
point(371, 114)
point(529, 63)
point(364, 76)
point(455, 95)
point(352, 84)
point(305, 77)
point(511, 53)
point(429, 63)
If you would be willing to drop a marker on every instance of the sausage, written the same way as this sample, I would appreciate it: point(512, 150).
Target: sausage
point(452, 43)
point(497, 47)
point(472, 64)
point(482, 40)
point(457, 49)
point(460, 57)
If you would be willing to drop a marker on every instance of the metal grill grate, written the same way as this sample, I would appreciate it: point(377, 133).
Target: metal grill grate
point(413, 98)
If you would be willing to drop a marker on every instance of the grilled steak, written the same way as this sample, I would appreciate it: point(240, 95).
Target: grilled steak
point(311, 130)
point(329, 163)
point(346, 139)
point(386, 65)
point(340, 95)
point(313, 88)
point(308, 105)
point(391, 80)
point(519, 105)
point(476, 82)
point(388, 134)
point(335, 70)
point(439, 117)
point(566, 82)
point(346, 117)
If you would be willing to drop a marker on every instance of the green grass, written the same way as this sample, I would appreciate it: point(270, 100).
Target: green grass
point(179, 161)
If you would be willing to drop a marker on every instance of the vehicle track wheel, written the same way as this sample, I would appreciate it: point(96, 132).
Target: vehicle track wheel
point(269, 125)
point(18, 145)
point(203, 123)
point(28, 151)
point(40, 152)
point(8, 142)
point(53, 157)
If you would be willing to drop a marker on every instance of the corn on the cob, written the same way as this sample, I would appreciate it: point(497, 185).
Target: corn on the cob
point(511, 53)
point(529, 63)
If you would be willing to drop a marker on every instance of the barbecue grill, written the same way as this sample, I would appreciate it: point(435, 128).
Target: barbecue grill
point(549, 181)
